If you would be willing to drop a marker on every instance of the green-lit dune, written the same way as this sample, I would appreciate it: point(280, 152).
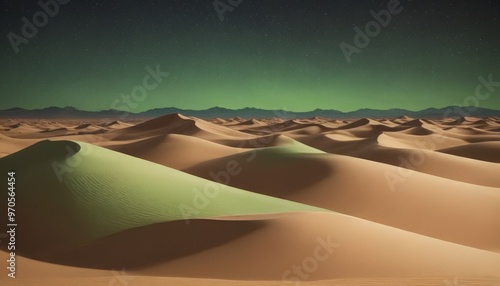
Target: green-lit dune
point(70, 193)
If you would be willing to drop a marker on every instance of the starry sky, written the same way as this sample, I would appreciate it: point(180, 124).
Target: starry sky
point(280, 54)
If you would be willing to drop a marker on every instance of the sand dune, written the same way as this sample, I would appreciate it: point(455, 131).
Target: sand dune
point(86, 195)
point(41, 273)
point(117, 124)
point(485, 151)
point(327, 181)
point(231, 201)
point(173, 150)
point(10, 145)
point(176, 124)
point(252, 122)
point(343, 250)
point(434, 163)
point(346, 252)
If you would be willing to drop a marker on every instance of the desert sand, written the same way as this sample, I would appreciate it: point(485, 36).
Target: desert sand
point(178, 200)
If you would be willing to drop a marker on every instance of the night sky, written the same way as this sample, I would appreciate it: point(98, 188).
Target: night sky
point(280, 54)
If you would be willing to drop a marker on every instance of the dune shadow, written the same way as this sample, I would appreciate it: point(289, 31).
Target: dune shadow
point(268, 171)
point(157, 243)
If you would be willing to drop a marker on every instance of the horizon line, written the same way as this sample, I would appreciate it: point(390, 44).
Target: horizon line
point(236, 109)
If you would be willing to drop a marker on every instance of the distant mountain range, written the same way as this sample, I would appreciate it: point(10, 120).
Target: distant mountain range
point(71, 112)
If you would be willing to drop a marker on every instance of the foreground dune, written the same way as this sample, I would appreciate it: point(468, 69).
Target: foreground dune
point(430, 205)
point(184, 201)
point(46, 274)
point(96, 192)
point(334, 246)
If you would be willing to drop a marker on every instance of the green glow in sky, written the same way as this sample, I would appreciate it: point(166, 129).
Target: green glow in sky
point(279, 55)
